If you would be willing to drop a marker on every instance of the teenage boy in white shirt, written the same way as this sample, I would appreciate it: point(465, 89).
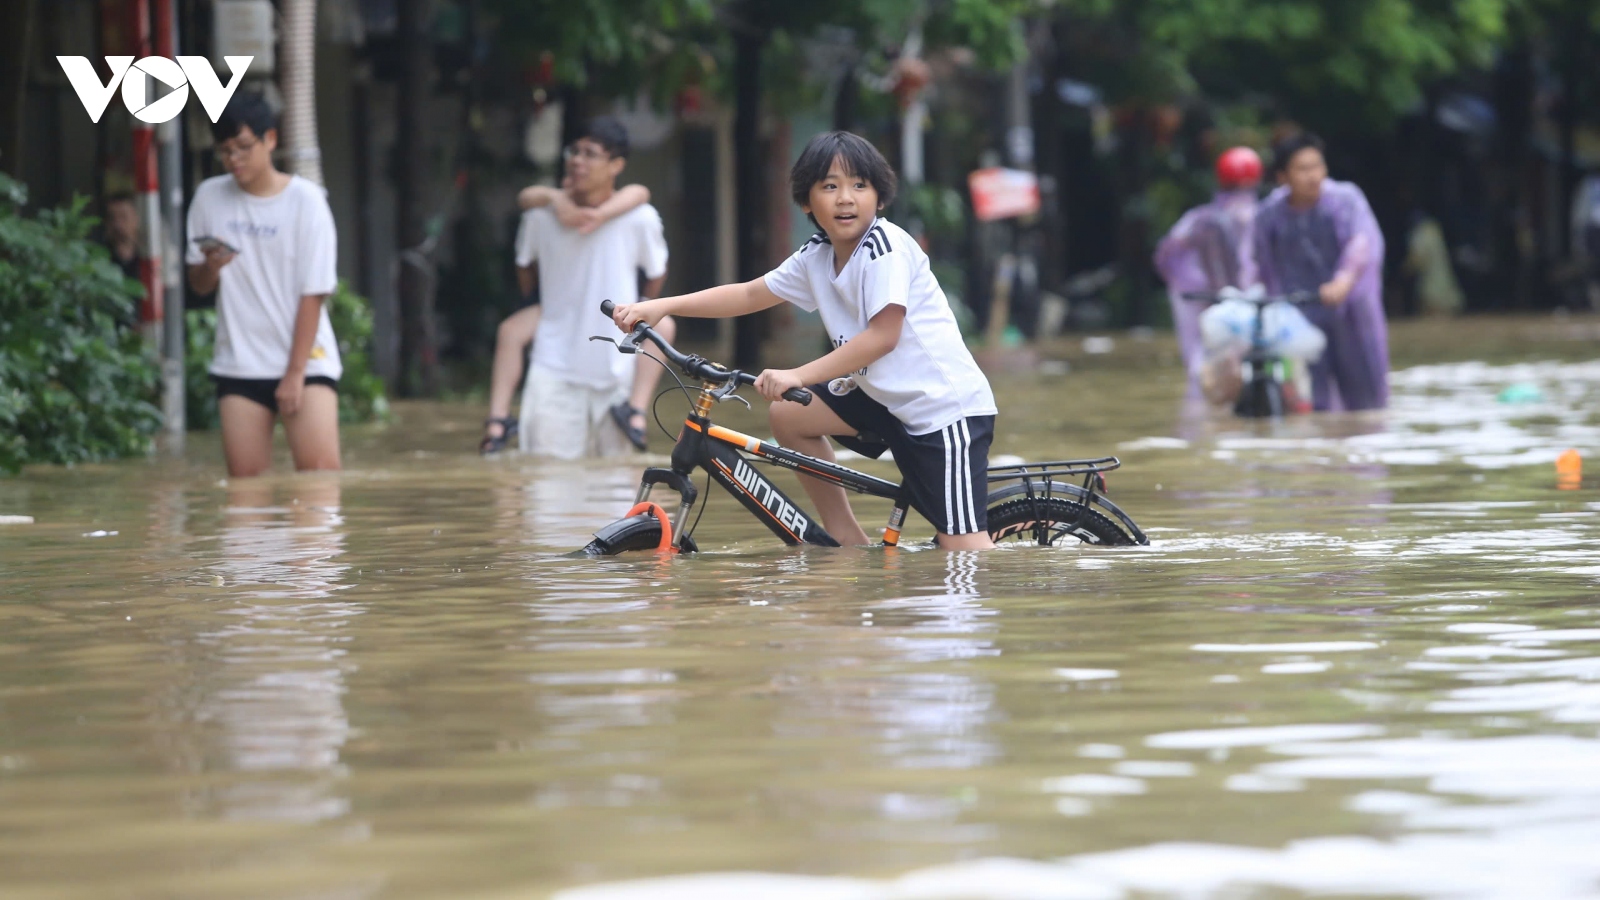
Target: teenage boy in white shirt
point(899, 378)
point(265, 241)
point(581, 397)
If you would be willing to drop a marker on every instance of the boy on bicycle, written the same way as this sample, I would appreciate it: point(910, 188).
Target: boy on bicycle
point(899, 378)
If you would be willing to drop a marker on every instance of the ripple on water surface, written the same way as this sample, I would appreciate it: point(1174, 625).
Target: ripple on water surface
point(1359, 658)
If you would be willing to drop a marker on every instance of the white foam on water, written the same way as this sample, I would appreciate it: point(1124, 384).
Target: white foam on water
point(1258, 737)
point(1296, 668)
point(1093, 784)
point(1305, 647)
point(1086, 674)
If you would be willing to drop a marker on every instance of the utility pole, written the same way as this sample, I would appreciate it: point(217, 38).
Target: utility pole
point(300, 88)
point(749, 42)
point(170, 137)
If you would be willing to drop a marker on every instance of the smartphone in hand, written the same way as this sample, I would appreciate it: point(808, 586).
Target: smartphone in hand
point(208, 244)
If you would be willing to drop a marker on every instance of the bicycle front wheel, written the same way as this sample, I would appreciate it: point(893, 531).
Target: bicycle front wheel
point(1049, 520)
point(633, 533)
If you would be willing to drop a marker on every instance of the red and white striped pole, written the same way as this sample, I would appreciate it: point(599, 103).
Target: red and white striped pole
point(147, 185)
point(171, 170)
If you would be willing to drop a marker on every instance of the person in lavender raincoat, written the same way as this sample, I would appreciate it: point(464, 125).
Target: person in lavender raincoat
point(1316, 234)
point(1210, 248)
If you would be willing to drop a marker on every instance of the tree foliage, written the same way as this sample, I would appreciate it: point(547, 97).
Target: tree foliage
point(1369, 58)
point(77, 383)
point(619, 46)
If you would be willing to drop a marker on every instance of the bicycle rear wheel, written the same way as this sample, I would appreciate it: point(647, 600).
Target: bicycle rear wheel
point(1047, 520)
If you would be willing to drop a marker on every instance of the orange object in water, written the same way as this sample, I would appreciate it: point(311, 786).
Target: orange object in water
point(1569, 470)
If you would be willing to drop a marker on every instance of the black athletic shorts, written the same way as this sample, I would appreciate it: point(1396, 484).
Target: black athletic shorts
point(263, 390)
point(945, 471)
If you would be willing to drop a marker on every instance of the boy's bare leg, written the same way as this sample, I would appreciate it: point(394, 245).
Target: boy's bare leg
point(978, 540)
point(805, 429)
point(246, 436)
point(313, 432)
point(647, 375)
point(510, 354)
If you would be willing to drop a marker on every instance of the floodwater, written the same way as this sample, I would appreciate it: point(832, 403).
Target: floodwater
point(1360, 657)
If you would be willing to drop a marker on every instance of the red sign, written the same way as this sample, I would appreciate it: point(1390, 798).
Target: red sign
point(1003, 193)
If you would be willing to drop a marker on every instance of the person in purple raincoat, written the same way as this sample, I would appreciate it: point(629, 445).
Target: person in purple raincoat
point(1210, 248)
point(1319, 235)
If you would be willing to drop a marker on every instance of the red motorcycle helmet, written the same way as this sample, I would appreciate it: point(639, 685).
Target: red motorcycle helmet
point(1238, 167)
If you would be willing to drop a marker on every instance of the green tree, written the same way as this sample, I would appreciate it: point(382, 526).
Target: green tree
point(1362, 59)
point(76, 380)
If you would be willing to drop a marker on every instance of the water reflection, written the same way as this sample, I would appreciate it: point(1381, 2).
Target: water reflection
point(275, 677)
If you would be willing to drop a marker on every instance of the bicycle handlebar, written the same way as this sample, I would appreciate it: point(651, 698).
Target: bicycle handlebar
point(697, 366)
point(1261, 300)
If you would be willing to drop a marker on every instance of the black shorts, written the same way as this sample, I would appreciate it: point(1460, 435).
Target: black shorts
point(263, 390)
point(945, 471)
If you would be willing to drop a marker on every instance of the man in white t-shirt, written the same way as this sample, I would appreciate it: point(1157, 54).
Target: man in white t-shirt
point(265, 241)
point(899, 378)
point(581, 397)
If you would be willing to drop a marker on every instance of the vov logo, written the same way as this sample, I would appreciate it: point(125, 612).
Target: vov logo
point(180, 74)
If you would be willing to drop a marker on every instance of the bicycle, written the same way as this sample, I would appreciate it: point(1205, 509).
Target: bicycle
point(1261, 394)
point(1029, 502)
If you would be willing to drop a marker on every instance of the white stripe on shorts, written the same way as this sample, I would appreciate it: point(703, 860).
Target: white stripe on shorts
point(959, 517)
point(966, 477)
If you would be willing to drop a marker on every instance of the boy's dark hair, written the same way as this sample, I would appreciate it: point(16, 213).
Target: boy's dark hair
point(1284, 150)
point(855, 154)
point(244, 109)
point(117, 197)
point(608, 132)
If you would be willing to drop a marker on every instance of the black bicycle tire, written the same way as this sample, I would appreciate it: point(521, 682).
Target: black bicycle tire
point(1087, 525)
point(643, 536)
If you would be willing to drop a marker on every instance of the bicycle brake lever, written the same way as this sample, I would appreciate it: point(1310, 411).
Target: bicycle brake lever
point(727, 392)
point(623, 346)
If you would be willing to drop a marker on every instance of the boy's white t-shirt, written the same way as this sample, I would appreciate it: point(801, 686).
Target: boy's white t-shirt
point(576, 272)
point(287, 250)
point(929, 380)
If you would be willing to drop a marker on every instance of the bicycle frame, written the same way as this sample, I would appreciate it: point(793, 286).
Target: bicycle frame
point(721, 453)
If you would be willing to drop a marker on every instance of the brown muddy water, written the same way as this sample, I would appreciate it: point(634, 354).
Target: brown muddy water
point(1360, 657)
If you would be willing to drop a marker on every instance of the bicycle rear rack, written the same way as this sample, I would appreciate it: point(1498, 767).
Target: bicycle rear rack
point(1061, 468)
point(1039, 484)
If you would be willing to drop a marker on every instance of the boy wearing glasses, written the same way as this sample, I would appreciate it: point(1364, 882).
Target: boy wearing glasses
point(583, 398)
point(516, 331)
point(265, 241)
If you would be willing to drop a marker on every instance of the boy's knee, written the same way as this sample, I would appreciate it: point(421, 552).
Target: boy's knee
point(778, 419)
point(667, 328)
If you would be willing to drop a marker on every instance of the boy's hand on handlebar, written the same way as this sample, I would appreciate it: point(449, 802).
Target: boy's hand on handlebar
point(772, 383)
point(1334, 292)
point(627, 315)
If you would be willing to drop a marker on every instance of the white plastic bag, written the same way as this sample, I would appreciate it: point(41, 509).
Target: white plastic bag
point(1290, 334)
point(1227, 328)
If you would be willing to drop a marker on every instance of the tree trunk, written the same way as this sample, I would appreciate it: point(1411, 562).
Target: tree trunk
point(845, 100)
point(419, 356)
point(749, 331)
point(19, 21)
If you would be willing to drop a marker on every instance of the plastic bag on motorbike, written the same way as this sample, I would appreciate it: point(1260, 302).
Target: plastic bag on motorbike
point(1290, 334)
point(1228, 327)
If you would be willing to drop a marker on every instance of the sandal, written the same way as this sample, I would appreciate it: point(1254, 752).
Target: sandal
point(622, 414)
point(492, 444)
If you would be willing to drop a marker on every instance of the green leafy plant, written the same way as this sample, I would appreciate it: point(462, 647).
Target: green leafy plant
point(76, 382)
point(361, 393)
